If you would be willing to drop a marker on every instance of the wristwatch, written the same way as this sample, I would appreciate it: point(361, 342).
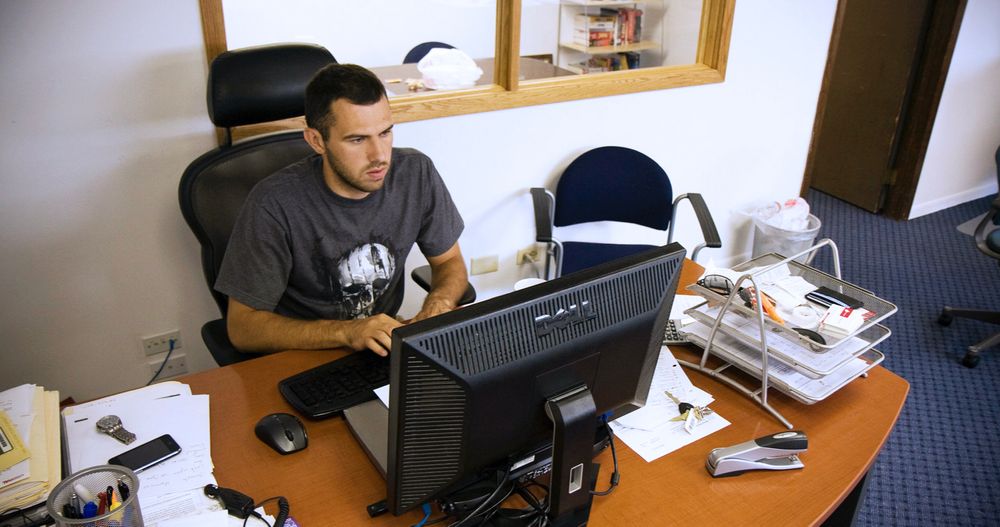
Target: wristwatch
point(112, 425)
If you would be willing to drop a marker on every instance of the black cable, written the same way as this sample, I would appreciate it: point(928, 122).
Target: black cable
point(279, 520)
point(615, 475)
point(255, 514)
point(479, 510)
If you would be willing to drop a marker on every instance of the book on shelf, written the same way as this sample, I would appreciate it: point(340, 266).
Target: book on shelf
point(594, 30)
point(627, 24)
point(612, 62)
point(30, 442)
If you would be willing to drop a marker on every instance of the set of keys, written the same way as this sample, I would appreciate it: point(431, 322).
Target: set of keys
point(690, 414)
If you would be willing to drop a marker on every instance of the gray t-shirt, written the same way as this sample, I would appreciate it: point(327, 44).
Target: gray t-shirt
point(300, 250)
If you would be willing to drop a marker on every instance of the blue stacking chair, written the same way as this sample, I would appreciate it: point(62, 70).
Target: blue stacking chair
point(422, 49)
point(610, 183)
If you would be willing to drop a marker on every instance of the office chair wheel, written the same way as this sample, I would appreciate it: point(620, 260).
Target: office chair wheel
point(945, 318)
point(971, 359)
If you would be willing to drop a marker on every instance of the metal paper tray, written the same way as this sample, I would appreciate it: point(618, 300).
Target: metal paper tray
point(882, 308)
point(792, 352)
point(781, 376)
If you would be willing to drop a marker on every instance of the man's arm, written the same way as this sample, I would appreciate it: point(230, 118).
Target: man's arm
point(257, 331)
point(449, 280)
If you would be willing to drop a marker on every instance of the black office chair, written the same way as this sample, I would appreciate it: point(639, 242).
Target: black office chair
point(248, 86)
point(245, 86)
point(610, 183)
point(422, 49)
point(988, 244)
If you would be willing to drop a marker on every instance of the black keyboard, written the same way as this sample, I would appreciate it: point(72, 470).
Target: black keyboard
point(325, 391)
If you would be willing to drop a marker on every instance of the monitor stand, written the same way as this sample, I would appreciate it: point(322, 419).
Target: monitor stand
point(573, 415)
point(574, 447)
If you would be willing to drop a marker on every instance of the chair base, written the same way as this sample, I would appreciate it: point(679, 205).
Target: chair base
point(971, 358)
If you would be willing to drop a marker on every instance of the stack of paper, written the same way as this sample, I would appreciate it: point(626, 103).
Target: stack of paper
point(173, 488)
point(29, 445)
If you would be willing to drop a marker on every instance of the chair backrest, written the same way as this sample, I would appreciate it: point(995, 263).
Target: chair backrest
point(246, 86)
point(420, 50)
point(613, 183)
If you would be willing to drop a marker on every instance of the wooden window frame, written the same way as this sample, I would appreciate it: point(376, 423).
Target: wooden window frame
point(507, 91)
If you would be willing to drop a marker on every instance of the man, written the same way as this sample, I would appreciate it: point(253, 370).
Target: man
point(316, 257)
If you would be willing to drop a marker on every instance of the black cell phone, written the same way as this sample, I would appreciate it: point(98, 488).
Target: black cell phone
point(147, 454)
point(827, 297)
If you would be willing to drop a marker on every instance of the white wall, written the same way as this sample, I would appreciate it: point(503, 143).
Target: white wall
point(103, 107)
point(959, 165)
point(367, 32)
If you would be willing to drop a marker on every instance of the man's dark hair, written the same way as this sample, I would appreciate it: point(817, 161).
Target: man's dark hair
point(339, 81)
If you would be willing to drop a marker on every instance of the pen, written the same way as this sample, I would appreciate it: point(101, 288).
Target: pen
point(89, 510)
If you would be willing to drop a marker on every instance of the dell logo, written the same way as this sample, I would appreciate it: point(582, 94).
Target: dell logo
point(564, 318)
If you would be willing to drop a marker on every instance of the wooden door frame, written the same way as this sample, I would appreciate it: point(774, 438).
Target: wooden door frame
point(913, 130)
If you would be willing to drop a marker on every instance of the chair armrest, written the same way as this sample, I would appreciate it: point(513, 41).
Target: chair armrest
point(708, 230)
point(216, 339)
point(542, 200)
point(544, 203)
point(422, 277)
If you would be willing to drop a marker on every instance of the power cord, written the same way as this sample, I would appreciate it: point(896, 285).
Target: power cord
point(615, 475)
point(242, 506)
point(170, 350)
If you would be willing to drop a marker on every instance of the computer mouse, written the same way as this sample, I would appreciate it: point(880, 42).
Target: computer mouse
point(282, 432)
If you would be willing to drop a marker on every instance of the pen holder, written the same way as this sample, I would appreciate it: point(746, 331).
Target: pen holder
point(95, 480)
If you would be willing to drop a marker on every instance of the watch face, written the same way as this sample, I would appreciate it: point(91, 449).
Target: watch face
point(108, 422)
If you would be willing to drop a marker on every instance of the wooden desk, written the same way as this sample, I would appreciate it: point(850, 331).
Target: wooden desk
point(332, 481)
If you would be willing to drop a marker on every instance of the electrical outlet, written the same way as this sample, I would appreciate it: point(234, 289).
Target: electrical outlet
point(161, 343)
point(177, 365)
point(528, 254)
point(485, 264)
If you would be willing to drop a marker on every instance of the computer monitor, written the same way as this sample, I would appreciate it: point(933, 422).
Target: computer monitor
point(485, 385)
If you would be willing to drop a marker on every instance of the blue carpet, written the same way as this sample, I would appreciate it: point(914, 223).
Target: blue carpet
point(941, 464)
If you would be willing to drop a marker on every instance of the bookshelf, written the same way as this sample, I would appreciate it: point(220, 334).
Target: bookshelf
point(609, 35)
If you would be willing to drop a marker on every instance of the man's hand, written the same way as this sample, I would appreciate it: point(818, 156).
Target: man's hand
point(373, 333)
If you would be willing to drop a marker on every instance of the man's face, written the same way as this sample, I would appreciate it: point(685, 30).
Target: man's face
point(357, 152)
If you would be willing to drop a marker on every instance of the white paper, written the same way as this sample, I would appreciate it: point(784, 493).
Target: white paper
point(206, 519)
point(681, 304)
point(781, 374)
point(383, 394)
point(18, 403)
point(649, 430)
point(162, 509)
point(792, 350)
point(148, 414)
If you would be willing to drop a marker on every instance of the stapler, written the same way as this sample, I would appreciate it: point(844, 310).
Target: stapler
point(771, 452)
